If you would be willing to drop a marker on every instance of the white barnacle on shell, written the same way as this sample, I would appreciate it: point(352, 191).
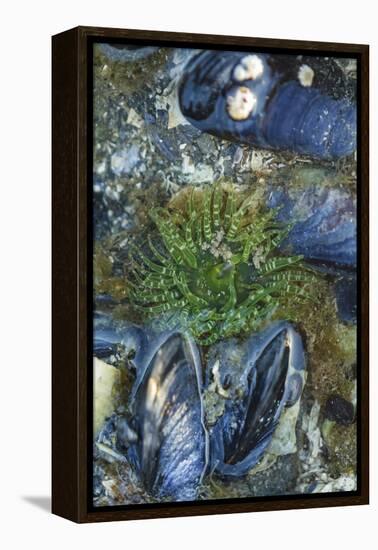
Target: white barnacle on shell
point(240, 103)
point(305, 75)
point(249, 68)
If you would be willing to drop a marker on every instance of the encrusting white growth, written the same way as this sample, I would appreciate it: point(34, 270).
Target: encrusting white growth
point(305, 75)
point(216, 385)
point(249, 68)
point(240, 103)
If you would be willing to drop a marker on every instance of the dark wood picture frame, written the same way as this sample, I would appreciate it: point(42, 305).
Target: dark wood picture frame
point(72, 280)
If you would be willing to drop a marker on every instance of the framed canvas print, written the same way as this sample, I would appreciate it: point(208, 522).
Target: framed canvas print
point(210, 274)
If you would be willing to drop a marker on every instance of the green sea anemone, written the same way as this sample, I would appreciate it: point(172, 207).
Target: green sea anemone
point(215, 267)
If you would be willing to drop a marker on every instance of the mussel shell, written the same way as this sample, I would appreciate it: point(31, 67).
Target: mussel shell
point(346, 298)
point(108, 334)
point(103, 349)
point(324, 222)
point(286, 115)
point(241, 436)
point(171, 452)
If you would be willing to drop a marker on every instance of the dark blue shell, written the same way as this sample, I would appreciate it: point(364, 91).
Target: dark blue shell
point(171, 452)
point(108, 334)
point(103, 348)
point(287, 115)
point(324, 222)
point(170, 449)
point(346, 297)
point(274, 361)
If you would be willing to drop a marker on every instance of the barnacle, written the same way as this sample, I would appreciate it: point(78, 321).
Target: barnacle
point(215, 268)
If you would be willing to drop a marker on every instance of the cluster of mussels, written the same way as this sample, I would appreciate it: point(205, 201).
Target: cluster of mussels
point(224, 266)
point(166, 434)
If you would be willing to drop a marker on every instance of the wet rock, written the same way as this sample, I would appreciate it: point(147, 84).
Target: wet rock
point(123, 52)
point(339, 410)
point(105, 380)
point(280, 479)
point(124, 161)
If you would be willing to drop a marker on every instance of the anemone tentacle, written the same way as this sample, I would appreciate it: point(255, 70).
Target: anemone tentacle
point(216, 268)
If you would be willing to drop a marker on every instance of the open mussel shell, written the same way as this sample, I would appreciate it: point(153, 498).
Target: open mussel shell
point(272, 379)
point(269, 101)
point(170, 451)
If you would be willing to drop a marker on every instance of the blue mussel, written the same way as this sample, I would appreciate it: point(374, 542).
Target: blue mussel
point(271, 379)
point(269, 101)
point(170, 453)
point(167, 439)
point(324, 231)
point(323, 219)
